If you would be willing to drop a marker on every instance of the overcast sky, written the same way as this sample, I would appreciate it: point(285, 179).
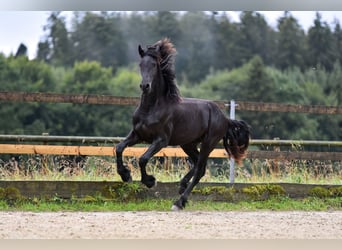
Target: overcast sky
point(27, 26)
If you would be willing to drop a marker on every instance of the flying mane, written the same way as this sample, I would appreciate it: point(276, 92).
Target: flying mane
point(165, 52)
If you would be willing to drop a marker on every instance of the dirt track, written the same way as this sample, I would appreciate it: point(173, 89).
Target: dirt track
point(171, 225)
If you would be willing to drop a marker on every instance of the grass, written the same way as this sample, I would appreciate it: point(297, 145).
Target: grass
point(172, 170)
point(280, 203)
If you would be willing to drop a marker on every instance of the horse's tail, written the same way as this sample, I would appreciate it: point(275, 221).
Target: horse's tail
point(236, 140)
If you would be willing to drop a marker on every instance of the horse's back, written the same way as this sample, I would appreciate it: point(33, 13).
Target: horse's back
point(192, 119)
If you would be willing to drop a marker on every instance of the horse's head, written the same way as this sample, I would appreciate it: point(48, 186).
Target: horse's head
point(157, 69)
point(149, 67)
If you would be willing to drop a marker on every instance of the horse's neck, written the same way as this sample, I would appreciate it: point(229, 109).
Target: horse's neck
point(154, 98)
point(147, 102)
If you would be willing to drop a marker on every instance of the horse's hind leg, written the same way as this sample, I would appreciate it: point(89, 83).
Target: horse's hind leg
point(199, 171)
point(192, 152)
point(123, 171)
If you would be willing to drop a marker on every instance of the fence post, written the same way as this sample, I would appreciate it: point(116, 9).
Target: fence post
point(232, 162)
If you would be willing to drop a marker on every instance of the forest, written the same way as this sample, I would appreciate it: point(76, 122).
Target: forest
point(217, 59)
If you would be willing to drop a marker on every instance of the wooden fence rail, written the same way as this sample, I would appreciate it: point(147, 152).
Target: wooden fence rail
point(117, 100)
point(165, 152)
point(114, 140)
point(23, 145)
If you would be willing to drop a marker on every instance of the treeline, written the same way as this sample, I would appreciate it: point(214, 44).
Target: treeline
point(206, 41)
point(217, 59)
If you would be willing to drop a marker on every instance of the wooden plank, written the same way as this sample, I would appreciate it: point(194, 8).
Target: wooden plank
point(295, 155)
point(94, 150)
point(120, 100)
point(59, 138)
point(165, 152)
point(55, 150)
point(67, 98)
point(282, 107)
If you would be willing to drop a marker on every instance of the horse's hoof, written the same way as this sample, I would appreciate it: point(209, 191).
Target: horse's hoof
point(175, 208)
point(125, 175)
point(178, 205)
point(149, 181)
point(126, 178)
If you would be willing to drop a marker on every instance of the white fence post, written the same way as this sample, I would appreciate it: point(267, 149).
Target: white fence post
point(232, 167)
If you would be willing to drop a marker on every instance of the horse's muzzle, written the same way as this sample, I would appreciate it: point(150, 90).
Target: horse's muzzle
point(145, 87)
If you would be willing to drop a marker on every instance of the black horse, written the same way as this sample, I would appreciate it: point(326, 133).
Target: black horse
point(165, 118)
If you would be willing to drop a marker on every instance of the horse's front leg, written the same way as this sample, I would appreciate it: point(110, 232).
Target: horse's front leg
point(123, 171)
point(154, 148)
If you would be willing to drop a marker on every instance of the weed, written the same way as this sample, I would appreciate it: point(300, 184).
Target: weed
point(10, 195)
point(122, 191)
point(220, 192)
point(263, 192)
point(322, 192)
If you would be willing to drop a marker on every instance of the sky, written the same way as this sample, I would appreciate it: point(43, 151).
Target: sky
point(27, 27)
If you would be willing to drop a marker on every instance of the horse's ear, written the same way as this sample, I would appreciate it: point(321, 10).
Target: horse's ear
point(141, 51)
point(158, 47)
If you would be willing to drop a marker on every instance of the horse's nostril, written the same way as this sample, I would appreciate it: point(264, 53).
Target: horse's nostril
point(145, 86)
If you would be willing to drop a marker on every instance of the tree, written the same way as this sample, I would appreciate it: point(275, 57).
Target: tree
point(44, 51)
point(258, 86)
point(165, 24)
point(255, 37)
point(195, 49)
point(88, 77)
point(56, 48)
point(22, 50)
point(20, 74)
point(97, 37)
point(226, 39)
point(320, 45)
point(334, 88)
point(95, 120)
point(135, 31)
point(338, 40)
point(291, 43)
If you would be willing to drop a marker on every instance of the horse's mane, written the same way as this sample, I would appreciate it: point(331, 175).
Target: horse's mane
point(165, 51)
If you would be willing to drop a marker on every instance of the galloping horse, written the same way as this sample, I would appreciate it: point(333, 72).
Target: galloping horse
point(165, 118)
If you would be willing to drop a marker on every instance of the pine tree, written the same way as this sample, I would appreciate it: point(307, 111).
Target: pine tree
point(97, 37)
point(56, 48)
point(338, 40)
point(255, 37)
point(320, 45)
point(291, 43)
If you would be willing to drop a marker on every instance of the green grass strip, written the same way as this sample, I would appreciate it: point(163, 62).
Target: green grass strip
point(280, 203)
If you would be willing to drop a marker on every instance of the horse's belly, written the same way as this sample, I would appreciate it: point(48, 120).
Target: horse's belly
point(185, 136)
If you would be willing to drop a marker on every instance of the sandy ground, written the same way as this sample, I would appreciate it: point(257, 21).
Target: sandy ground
point(171, 225)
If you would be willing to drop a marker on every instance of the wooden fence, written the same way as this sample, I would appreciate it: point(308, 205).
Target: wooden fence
point(24, 148)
